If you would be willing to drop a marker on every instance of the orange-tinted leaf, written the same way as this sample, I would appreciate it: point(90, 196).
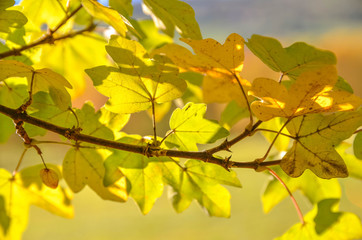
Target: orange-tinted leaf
point(49, 177)
point(311, 93)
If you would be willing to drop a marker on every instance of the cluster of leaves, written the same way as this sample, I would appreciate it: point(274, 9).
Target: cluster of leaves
point(42, 70)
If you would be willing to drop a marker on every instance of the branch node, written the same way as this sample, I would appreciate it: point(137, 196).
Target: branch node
point(72, 133)
point(227, 164)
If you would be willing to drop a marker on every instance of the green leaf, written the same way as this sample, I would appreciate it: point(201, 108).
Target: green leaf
point(188, 127)
point(343, 85)
point(11, 19)
point(84, 166)
point(357, 143)
point(324, 224)
point(169, 15)
point(153, 38)
point(314, 188)
point(23, 190)
point(290, 61)
point(108, 15)
point(6, 128)
point(315, 138)
point(13, 91)
point(43, 80)
point(201, 181)
point(232, 114)
point(139, 81)
point(4, 4)
point(124, 7)
point(143, 174)
point(113, 121)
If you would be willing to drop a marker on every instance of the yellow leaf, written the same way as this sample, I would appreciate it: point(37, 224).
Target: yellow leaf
point(311, 93)
point(221, 63)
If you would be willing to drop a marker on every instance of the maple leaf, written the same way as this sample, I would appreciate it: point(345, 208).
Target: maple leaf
point(221, 64)
point(290, 61)
point(312, 92)
point(315, 137)
point(188, 127)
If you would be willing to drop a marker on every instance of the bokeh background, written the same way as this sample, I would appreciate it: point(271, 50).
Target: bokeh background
point(328, 24)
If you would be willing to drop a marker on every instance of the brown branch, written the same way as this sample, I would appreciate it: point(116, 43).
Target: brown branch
point(149, 151)
point(48, 37)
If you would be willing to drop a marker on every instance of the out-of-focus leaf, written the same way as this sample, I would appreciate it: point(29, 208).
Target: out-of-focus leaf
point(342, 225)
point(153, 38)
point(343, 85)
point(124, 7)
point(315, 138)
point(188, 127)
point(108, 15)
point(11, 19)
point(68, 54)
point(232, 114)
point(313, 187)
point(354, 165)
point(311, 93)
point(357, 145)
point(275, 124)
point(50, 12)
point(169, 15)
point(18, 192)
point(290, 61)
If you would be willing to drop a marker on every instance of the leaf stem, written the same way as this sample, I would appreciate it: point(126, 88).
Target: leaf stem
point(245, 98)
point(273, 131)
point(154, 124)
point(299, 212)
point(19, 162)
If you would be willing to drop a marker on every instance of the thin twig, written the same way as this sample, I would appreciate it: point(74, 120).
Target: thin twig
point(273, 131)
point(19, 162)
point(154, 124)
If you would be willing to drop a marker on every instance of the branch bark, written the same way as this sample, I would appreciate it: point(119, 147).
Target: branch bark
point(149, 150)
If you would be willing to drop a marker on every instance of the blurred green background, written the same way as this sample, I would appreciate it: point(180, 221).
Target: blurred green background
point(329, 24)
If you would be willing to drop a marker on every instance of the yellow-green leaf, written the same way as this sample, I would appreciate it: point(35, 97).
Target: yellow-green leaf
point(314, 188)
point(311, 93)
point(11, 19)
point(83, 167)
point(313, 148)
point(189, 127)
point(335, 225)
point(171, 14)
point(290, 61)
point(357, 143)
point(108, 15)
point(43, 80)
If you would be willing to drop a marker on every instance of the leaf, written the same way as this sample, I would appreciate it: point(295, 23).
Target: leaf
point(84, 166)
point(311, 93)
point(169, 15)
point(11, 19)
point(49, 177)
point(113, 121)
point(275, 124)
point(201, 181)
point(354, 165)
point(343, 225)
point(50, 12)
point(222, 65)
point(314, 188)
point(73, 59)
point(153, 38)
point(124, 7)
point(138, 82)
point(4, 4)
point(357, 143)
point(13, 91)
point(290, 61)
point(232, 114)
point(188, 127)
point(43, 80)
point(18, 192)
point(108, 15)
point(315, 138)
point(143, 174)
